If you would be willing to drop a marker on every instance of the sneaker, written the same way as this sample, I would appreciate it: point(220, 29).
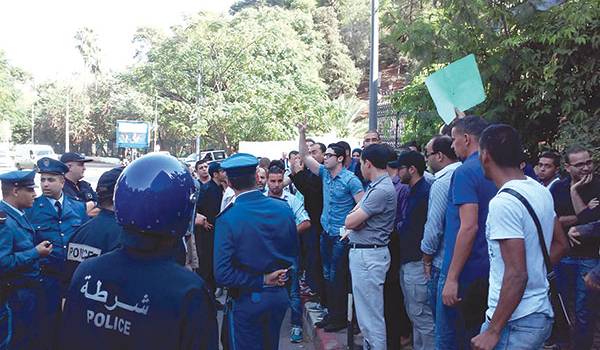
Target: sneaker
point(296, 334)
point(219, 292)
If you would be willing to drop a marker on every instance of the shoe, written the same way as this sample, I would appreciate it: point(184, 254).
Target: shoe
point(333, 327)
point(296, 334)
point(219, 305)
point(219, 292)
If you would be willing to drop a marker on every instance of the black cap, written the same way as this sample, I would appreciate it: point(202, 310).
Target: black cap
point(107, 182)
point(73, 157)
point(214, 166)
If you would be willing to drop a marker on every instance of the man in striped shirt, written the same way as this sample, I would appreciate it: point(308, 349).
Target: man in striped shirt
point(442, 161)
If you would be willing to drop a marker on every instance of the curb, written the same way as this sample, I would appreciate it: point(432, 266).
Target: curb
point(321, 339)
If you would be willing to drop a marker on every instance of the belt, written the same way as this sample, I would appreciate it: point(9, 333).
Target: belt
point(366, 246)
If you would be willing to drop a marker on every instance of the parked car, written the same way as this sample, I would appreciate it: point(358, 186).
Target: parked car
point(27, 155)
point(208, 155)
point(7, 162)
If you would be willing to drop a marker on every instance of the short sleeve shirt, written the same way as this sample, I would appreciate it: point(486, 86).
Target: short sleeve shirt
point(338, 198)
point(379, 203)
point(468, 186)
point(509, 219)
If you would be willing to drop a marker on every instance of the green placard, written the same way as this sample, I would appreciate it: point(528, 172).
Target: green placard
point(458, 85)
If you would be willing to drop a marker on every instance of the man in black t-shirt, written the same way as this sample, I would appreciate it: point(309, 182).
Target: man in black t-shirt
point(572, 203)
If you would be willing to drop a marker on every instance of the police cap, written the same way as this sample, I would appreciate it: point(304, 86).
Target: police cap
point(52, 166)
point(240, 164)
point(73, 157)
point(19, 178)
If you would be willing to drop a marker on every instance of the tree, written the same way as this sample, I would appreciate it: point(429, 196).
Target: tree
point(338, 70)
point(540, 74)
point(259, 75)
point(11, 107)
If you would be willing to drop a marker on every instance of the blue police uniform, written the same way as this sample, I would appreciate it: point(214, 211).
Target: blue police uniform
point(55, 222)
point(100, 235)
point(254, 236)
point(82, 190)
point(22, 297)
point(137, 296)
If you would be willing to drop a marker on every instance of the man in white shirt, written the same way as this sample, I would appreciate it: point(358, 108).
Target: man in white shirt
point(519, 314)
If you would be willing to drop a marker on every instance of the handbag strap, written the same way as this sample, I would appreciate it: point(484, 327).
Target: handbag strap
point(549, 269)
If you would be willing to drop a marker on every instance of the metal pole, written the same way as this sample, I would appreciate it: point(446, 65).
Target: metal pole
point(374, 71)
point(68, 116)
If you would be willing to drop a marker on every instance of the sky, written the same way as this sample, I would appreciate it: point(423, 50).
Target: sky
point(38, 35)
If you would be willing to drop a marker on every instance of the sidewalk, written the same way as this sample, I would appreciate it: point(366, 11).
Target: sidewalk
point(321, 339)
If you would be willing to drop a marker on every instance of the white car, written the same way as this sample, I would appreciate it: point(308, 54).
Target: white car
point(208, 155)
point(27, 155)
point(7, 163)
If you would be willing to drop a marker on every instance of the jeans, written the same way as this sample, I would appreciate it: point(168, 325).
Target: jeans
point(295, 301)
point(334, 255)
point(368, 268)
point(570, 273)
point(414, 287)
point(432, 289)
point(525, 333)
point(455, 326)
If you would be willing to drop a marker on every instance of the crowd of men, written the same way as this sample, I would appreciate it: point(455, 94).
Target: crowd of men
point(455, 247)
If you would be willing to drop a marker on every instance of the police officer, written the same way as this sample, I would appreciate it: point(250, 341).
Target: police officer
point(137, 296)
point(101, 234)
point(19, 262)
point(75, 187)
point(255, 245)
point(55, 217)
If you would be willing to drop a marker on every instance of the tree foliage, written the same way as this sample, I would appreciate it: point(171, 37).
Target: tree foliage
point(540, 70)
point(251, 77)
point(11, 108)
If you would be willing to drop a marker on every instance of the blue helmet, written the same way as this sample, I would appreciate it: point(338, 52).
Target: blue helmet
point(156, 195)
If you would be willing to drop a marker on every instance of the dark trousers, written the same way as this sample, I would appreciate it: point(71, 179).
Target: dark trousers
point(28, 319)
point(397, 323)
point(205, 242)
point(334, 255)
point(254, 320)
point(55, 289)
point(311, 261)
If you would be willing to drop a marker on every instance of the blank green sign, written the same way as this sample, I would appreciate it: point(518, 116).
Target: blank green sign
point(457, 85)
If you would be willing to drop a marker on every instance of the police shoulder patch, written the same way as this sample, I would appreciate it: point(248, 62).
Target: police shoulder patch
point(2, 217)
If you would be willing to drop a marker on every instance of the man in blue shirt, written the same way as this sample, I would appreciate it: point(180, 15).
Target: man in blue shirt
point(341, 191)
point(275, 184)
point(21, 295)
point(465, 269)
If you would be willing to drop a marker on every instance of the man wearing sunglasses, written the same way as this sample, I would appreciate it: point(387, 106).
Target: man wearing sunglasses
point(573, 202)
point(341, 191)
